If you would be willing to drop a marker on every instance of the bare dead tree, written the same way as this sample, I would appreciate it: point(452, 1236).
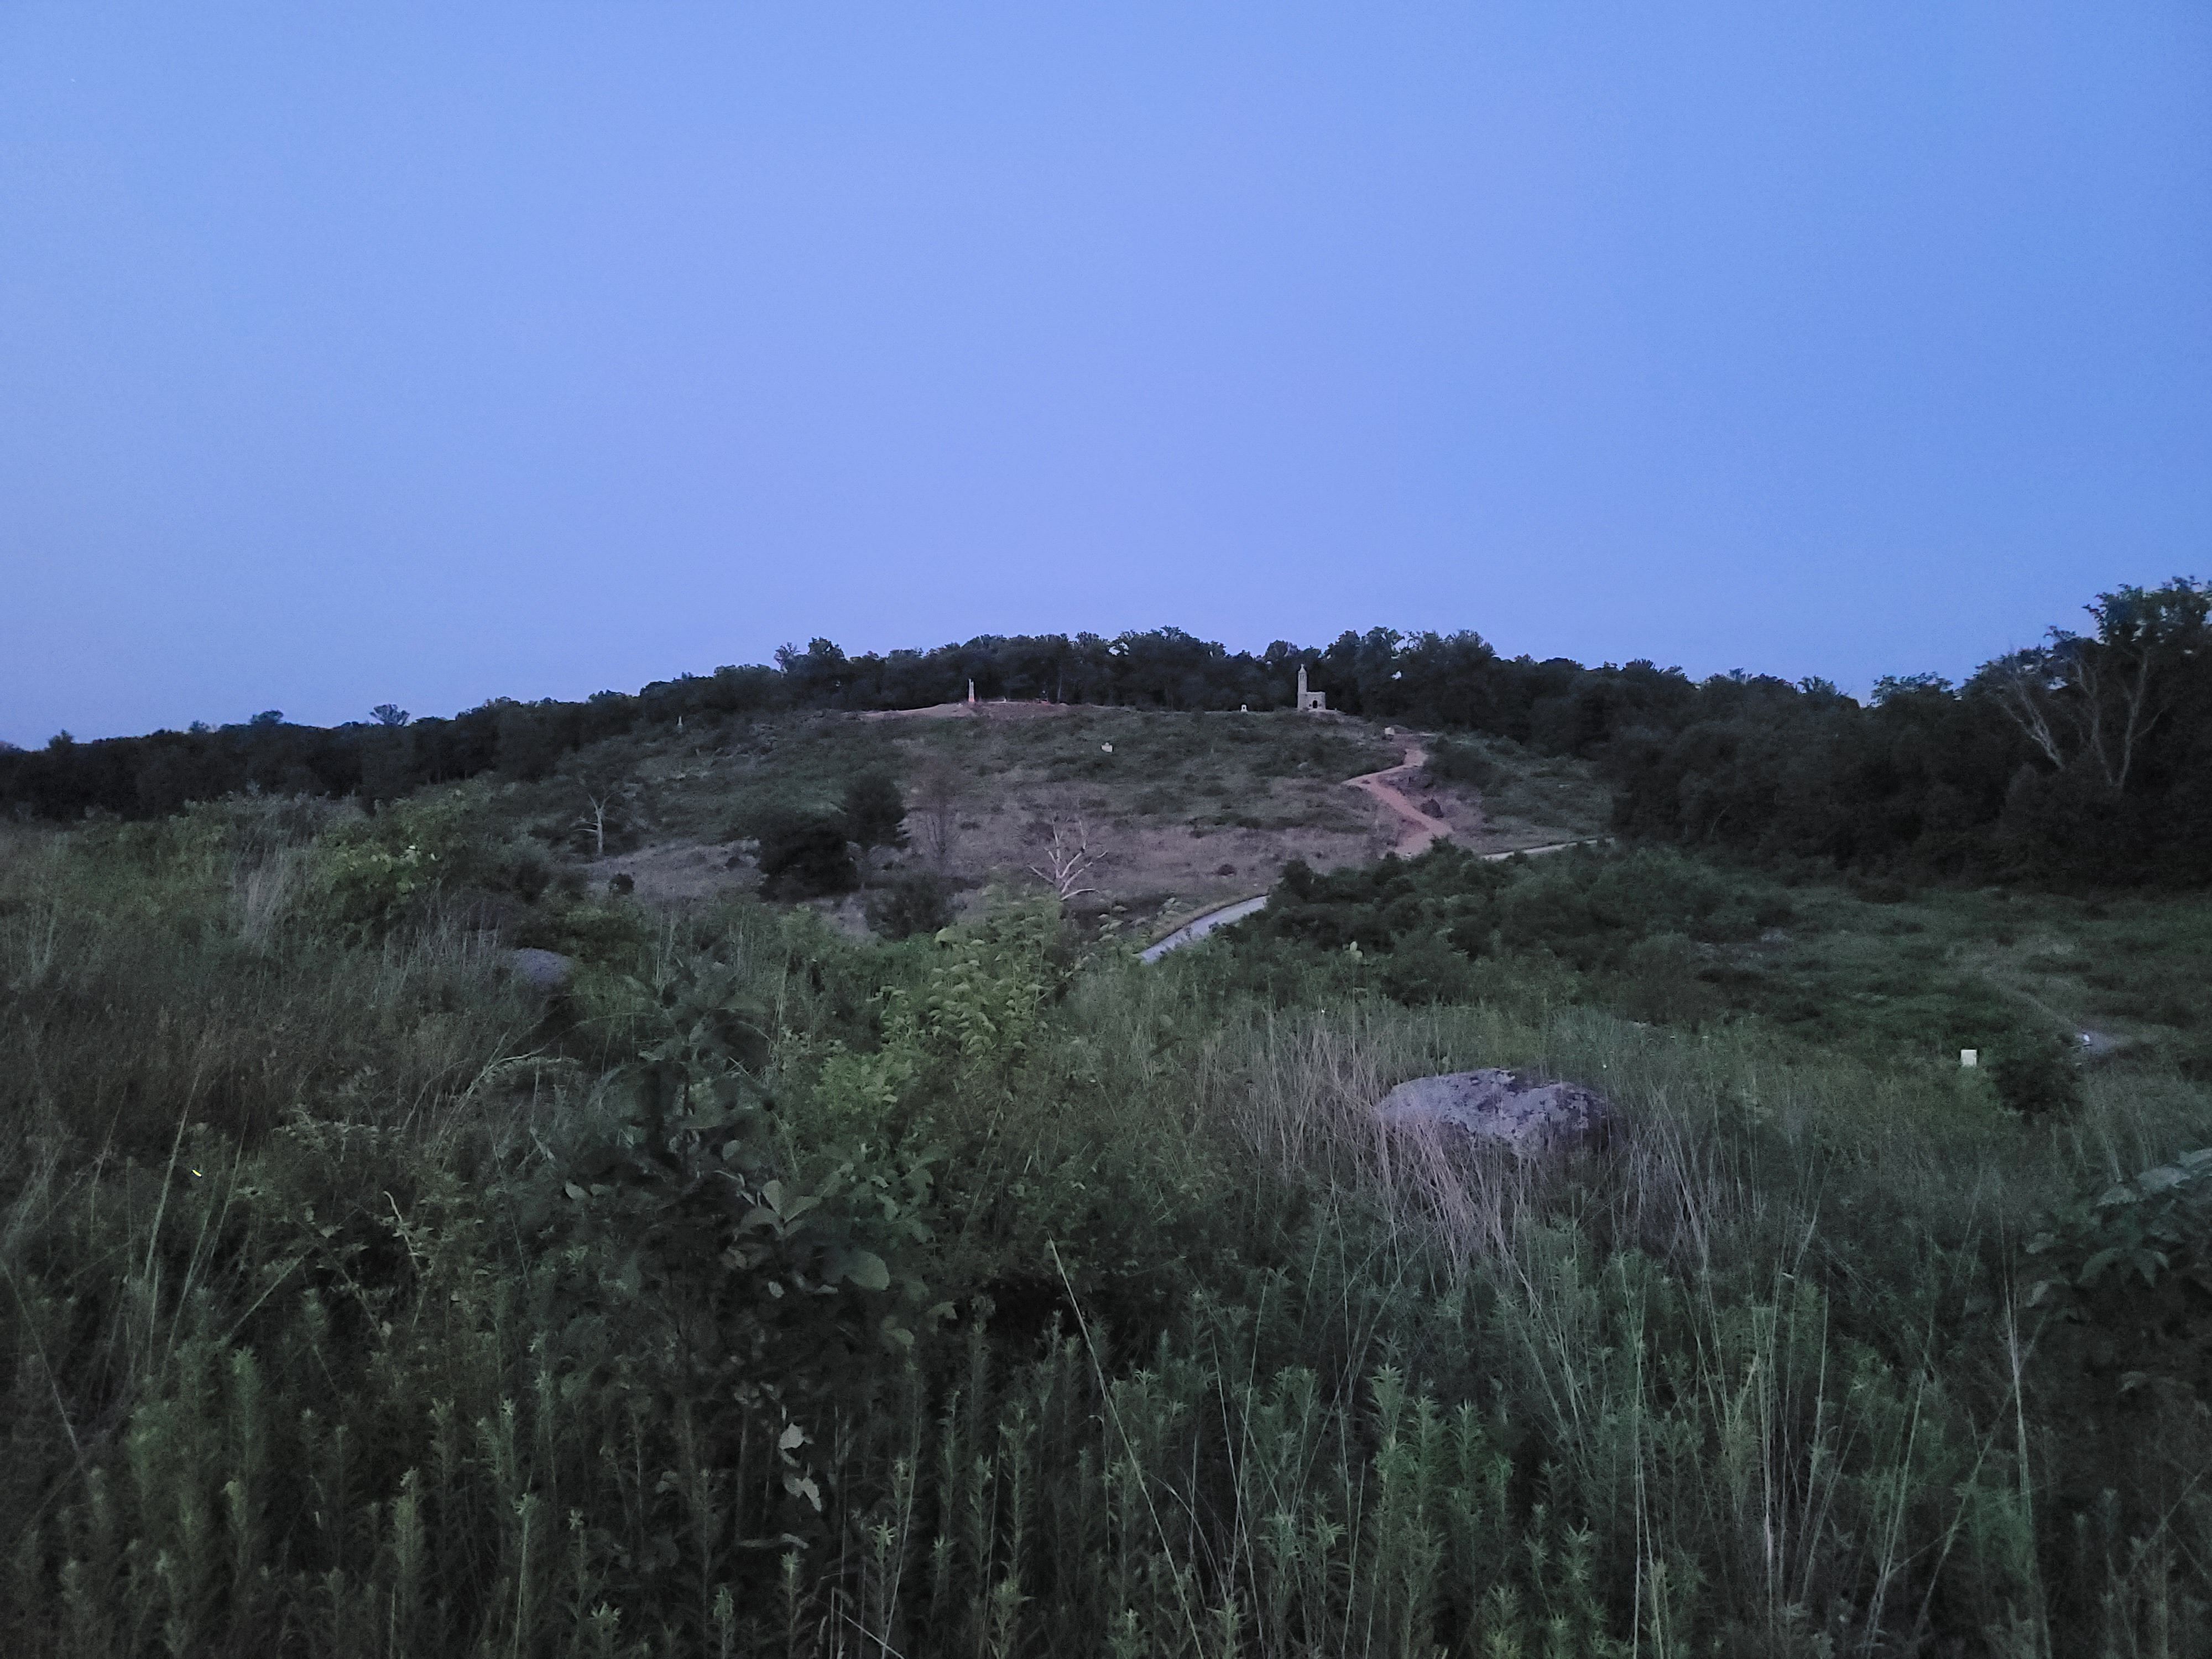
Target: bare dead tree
point(593, 818)
point(608, 800)
point(2101, 696)
point(2025, 688)
point(1069, 860)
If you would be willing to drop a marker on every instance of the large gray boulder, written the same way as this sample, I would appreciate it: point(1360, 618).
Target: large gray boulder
point(1497, 1106)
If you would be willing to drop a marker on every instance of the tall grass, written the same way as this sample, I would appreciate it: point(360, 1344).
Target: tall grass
point(295, 1362)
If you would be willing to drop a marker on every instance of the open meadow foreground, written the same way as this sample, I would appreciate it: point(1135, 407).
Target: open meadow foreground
point(724, 1182)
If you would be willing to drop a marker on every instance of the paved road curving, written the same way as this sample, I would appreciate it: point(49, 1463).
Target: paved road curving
point(1199, 927)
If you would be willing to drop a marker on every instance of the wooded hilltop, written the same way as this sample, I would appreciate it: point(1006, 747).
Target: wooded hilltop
point(2086, 759)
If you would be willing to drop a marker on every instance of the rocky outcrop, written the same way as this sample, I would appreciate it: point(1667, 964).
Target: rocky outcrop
point(1498, 1106)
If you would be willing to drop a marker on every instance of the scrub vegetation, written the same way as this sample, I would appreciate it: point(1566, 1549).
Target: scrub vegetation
point(763, 1291)
point(1912, 973)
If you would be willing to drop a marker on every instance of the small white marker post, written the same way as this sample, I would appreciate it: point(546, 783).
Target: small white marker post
point(1969, 1059)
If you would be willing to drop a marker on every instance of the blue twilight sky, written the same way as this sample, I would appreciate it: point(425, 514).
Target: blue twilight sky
point(352, 353)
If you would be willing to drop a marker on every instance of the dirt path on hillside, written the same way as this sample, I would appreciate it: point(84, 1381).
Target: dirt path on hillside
point(1417, 830)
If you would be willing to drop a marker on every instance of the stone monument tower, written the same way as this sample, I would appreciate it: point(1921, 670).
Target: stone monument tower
point(1310, 702)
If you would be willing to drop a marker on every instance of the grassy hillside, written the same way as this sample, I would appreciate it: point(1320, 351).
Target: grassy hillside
point(1182, 811)
point(771, 1290)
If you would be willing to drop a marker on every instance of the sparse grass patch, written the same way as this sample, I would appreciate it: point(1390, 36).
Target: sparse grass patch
point(1173, 766)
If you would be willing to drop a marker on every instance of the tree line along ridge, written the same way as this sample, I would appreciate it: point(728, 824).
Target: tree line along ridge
point(2086, 758)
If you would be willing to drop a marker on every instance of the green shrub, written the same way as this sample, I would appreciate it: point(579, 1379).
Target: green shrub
point(875, 811)
point(1423, 968)
point(372, 874)
point(2131, 1272)
point(912, 901)
point(612, 932)
point(2038, 1077)
point(805, 855)
point(678, 1197)
point(1457, 760)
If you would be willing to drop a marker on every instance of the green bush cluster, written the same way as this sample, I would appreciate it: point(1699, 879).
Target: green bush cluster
point(2037, 1078)
point(805, 855)
point(911, 902)
point(437, 850)
point(1656, 936)
point(808, 853)
point(2128, 1272)
point(1588, 908)
point(1462, 760)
